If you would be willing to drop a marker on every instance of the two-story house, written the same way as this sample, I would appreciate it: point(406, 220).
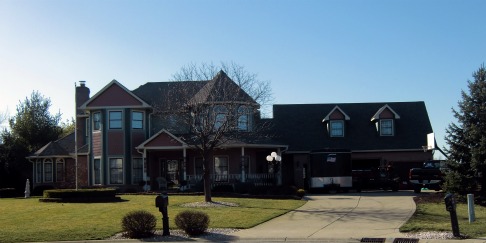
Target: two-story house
point(153, 137)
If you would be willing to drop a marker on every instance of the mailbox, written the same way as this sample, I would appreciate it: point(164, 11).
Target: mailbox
point(162, 201)
point(450, 202)
point(451, 207)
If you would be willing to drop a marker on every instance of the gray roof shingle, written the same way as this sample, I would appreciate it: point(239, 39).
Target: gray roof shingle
point(301, 126)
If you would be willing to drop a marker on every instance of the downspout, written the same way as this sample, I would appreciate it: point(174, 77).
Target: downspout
point(76, 138)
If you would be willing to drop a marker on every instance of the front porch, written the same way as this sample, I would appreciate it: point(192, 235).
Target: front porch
point(195, 182)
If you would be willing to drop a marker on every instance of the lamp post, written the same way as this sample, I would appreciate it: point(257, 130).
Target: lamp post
point(274, 159)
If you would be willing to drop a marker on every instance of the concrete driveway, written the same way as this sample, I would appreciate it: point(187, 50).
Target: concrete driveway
point(340, 216)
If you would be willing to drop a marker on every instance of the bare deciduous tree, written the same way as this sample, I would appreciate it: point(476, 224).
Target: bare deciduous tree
point(216, 105)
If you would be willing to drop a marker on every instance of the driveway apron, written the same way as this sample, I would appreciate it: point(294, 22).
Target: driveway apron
point(352, 215)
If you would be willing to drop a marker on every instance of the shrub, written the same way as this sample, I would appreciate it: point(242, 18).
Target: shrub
point(194, 223)
point(300, 192)
point(139, 224)
point(81, 195)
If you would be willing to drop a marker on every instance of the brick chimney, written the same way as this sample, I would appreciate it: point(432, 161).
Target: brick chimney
point(82, 95)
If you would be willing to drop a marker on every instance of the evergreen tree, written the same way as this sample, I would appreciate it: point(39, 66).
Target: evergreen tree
point(30, 129)
point(467, 139)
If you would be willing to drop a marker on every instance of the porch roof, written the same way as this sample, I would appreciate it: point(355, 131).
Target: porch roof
point(165, 140)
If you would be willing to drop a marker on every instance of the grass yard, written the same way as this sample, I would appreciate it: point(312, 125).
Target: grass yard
point(431, 215)
point(24, 220)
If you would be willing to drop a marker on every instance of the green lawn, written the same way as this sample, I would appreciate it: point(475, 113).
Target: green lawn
point(431, 215)
point(30, 220)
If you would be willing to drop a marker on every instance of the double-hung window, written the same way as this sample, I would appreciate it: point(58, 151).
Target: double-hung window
point(97, 121)
point(115, 119)
point(243, 116)
point(386, 127)
point(97, 171)
point(220, 113)
point(137, 120)
point(116, 171)
point(221, 168)
point(137, 170)
point(48, 170)
point(38, 171)
point(60, 170)
point(336, 128)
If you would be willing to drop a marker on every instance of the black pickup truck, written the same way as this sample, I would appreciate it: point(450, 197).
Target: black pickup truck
point(377, 178)
point(430, 176)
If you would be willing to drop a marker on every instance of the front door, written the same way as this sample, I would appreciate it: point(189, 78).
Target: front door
point(169, 169)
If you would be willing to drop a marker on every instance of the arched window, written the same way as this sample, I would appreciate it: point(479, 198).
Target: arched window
point(243, 118)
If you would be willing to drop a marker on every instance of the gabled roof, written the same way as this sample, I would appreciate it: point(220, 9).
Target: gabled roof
point(175, 94)
point(376, 116)
point(221, 89)
point(327, 118)
point(162, 140)
point(301, 126)
point(114, 94)
point(168, 95)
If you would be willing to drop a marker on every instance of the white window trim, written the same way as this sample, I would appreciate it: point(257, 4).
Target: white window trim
point(330, 128)
point(392, 128)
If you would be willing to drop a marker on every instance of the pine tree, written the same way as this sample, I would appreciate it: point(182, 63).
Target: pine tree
point(467, 139)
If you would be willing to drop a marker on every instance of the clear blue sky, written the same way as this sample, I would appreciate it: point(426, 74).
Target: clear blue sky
point(310, 51)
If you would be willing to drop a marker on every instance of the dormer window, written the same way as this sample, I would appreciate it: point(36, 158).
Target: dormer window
point(386, 127)
point(336, 128)
point(384, 120)
point(335, 122)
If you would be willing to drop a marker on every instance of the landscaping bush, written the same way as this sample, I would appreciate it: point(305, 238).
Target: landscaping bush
point(194, 223)
point(7, 192)
point(244, 187)
point(81, 195)
point(39, 190)
point(300, 193)
point(139, 224)
point(223, 188)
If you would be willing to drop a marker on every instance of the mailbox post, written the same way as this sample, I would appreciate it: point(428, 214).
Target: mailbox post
point(451, 207)
point(162, 202)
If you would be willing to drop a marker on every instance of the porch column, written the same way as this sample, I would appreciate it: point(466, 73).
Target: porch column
point(146, 187)
point(184, 163)
point(243, 179)
point(279, 174)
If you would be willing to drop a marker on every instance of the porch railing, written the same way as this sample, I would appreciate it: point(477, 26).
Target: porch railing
point(263, 179)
